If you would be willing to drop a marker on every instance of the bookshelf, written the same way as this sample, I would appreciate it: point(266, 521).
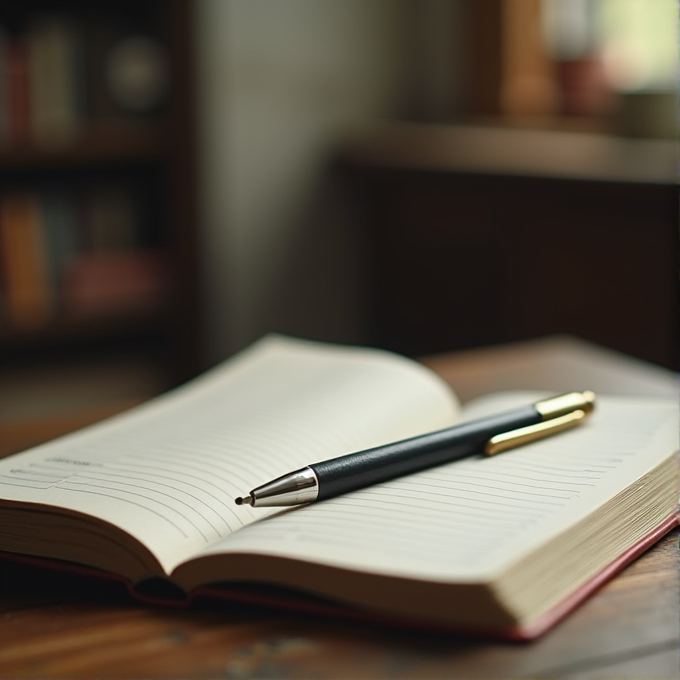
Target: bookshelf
point(98, 243)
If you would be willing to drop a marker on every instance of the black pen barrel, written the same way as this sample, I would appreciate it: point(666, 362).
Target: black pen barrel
point(372, 466)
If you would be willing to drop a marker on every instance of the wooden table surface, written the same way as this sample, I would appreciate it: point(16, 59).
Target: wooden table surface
point(58, 625)
point(55, 625)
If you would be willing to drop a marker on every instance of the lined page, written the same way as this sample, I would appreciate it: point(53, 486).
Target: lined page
point(168, 472)
point(469, 519)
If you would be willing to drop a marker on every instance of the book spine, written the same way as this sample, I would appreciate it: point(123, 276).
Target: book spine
point(60, 227)
point(4, 89)
point(54, 81)
point(16, 69)
point(29, 296)
point(112, 218)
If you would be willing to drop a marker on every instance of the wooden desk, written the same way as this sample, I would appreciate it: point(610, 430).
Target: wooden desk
point(56, 625)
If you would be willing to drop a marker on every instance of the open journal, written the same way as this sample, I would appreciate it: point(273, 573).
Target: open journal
point(501, 546)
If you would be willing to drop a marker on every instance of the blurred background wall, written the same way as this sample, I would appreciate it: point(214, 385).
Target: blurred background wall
point(280, 85)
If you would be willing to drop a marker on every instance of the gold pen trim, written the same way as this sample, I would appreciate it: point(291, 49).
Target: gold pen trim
point(564, 404)
point(525, 435)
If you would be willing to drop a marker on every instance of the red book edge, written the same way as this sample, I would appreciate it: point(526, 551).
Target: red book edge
point(302, 603)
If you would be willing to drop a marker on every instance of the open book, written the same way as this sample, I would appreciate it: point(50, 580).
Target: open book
point(500, 546)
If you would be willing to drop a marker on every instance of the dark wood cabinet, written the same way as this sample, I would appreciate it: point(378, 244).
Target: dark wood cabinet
point(461, 257)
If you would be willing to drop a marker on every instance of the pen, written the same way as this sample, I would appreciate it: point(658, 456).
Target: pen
point(489, 435)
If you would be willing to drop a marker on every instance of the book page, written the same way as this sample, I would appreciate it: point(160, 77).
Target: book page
point(167, 473)
point(468, 520)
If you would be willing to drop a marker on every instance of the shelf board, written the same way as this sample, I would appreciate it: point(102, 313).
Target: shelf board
point(99, 145)
point(70, 328)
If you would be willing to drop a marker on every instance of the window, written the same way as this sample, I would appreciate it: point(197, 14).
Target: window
point(547, 59)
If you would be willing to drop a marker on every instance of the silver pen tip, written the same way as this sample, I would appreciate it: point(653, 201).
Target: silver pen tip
point(246, 500)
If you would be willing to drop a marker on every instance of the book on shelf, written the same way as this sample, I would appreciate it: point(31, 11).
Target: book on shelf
point(55, 82)
point(77, 255)
point(4, 88)
point(101, 284)
point(62, 73)
point(40, 83)
point(26, 287)
point(14, 73)
point(503, 546)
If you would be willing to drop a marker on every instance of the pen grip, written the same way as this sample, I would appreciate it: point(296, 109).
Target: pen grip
point(372, 466)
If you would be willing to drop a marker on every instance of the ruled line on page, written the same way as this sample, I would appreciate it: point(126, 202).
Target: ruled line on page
point(152, 504)
point(142, 506)
point(463, 514)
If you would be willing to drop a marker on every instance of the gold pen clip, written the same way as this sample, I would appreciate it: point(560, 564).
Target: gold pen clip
point(559, 414)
